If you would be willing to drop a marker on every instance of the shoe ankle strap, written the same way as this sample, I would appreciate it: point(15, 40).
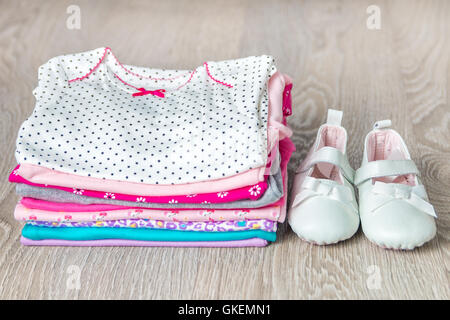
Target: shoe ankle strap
point(334, 157)
point(384, 168)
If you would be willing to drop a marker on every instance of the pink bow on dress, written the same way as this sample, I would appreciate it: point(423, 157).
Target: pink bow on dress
point(143, 92)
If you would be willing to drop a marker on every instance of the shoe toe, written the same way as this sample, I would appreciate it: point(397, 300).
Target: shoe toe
point(323, 221)
point(398, 225)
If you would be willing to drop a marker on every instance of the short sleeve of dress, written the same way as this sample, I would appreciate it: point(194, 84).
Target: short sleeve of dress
point(52, 81)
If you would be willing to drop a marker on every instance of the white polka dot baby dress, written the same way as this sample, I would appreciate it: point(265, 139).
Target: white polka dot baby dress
point(96, 117)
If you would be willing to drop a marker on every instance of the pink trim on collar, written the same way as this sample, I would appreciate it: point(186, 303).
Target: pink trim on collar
point(218, 81)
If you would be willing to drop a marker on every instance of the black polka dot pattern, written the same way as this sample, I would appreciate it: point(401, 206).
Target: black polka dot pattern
point(200, 130)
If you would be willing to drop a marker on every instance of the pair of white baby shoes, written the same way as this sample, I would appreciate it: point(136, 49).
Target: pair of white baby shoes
point(393, 204)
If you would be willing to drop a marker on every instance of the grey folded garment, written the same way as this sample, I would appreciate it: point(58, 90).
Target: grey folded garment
point(273, 193)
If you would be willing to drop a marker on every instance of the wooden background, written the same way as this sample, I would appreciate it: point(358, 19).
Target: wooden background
point(399, 72)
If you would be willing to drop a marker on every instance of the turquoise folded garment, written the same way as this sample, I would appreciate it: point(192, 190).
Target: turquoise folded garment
point(86, 233)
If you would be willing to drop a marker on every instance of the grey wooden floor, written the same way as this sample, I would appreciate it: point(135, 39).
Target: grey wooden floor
point(400, 71)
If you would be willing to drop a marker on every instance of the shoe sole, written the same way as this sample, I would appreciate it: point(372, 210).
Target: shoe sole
point(399, 247)
point(323, 243)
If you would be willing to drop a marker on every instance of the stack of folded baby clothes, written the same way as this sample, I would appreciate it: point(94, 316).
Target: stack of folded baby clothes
point(119, 155)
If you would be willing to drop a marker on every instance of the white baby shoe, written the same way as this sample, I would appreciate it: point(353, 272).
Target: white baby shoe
point(393, 204)
point(323, 208)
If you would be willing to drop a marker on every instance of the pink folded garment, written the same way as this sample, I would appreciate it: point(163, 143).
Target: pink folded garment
point(32, 203)
point(253, 242)
point(40, 175)
point(279, 107)
point(272, 213)
point(252, 192)
point(286, 147)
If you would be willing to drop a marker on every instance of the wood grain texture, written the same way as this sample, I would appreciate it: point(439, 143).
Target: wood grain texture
point(400, 72)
